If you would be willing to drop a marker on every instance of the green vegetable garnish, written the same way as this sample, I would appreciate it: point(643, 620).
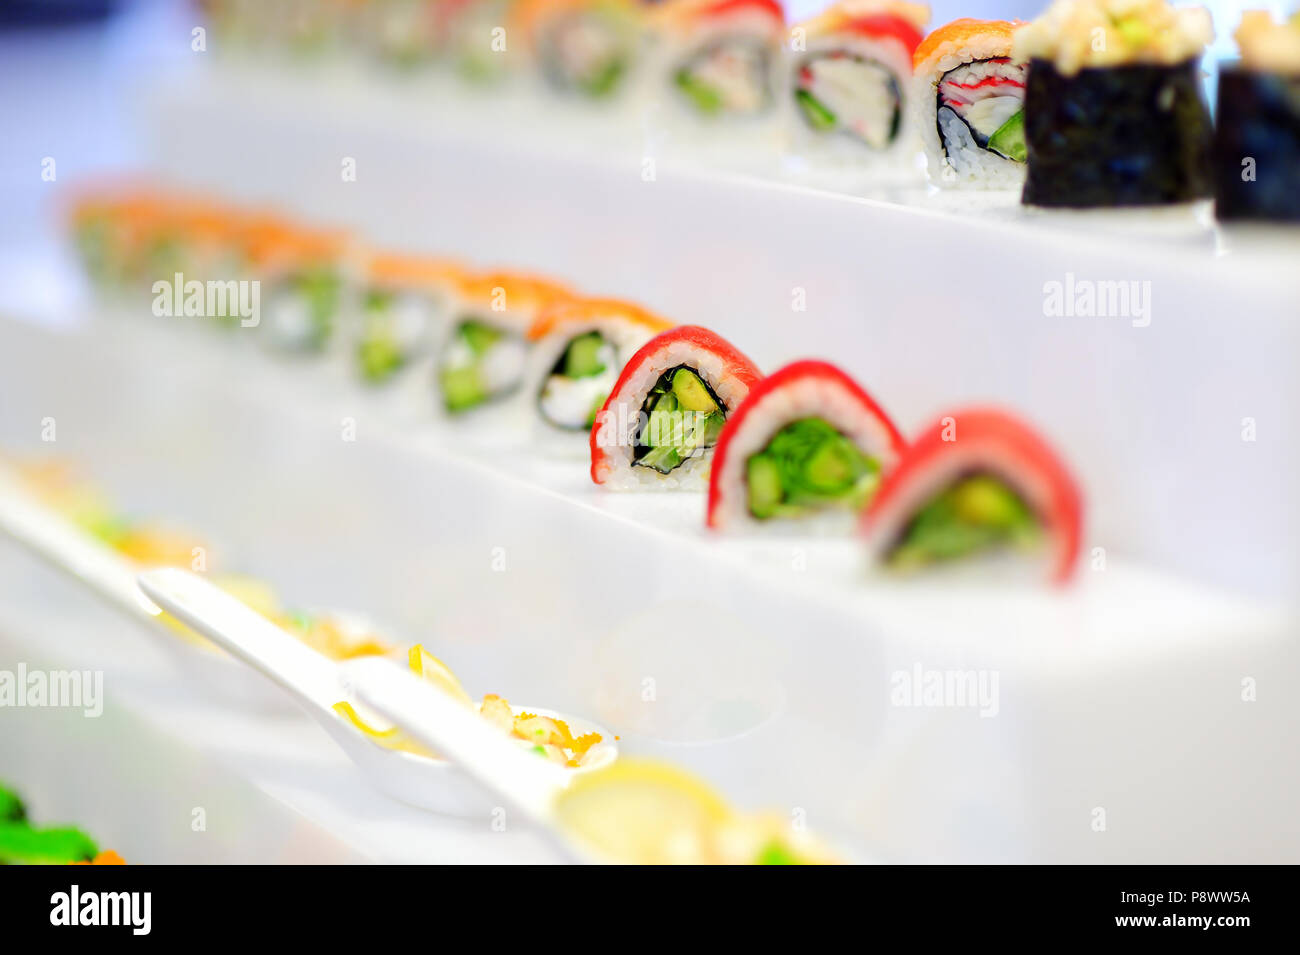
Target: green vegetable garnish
point(11, 807)
point(818, 115)
point(977, 513)
point(774, 853)
point(808, 465)
point(683, 418)
point(603, 81)
point(20, 843)
point(702, 96)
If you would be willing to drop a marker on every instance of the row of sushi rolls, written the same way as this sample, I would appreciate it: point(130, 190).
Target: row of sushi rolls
point(1096, 103)
point(646, 404)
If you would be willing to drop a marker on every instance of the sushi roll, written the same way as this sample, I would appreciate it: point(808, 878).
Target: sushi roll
point(719, 59)
point(1114, 114)
point(658, 428)
point(977, 482)
point(806, 441)
point(472, 40)
point(483, 354)
point(1257, 132)
point(579, 348)
point(404, 34)
point(307, 277)
point(588, 49)
point(404, 302)
point(970, 103)
point(851, 78)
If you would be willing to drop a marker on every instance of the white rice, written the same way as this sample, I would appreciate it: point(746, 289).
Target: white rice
point(616, 433)
point(970, 167)
point(805, 398)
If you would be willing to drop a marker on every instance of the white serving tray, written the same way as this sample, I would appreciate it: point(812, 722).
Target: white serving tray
point(766, 667)
point(931, 299)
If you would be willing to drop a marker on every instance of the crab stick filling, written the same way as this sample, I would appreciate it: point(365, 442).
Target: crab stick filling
point(808, 465)
point(976, 513)
point(580, 382)
point(682, 418)
point(983, 103)
point(480, 363)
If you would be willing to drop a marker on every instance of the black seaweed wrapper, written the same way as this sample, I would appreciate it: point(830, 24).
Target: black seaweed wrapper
point(1116, 136)
point(1257, 147)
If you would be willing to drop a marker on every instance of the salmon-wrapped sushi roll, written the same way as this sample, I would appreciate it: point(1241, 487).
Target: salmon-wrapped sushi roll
point(658, 428)
point(970, 104)
point(806, 442)
point(851, 78)
point(406, 299)
point(719, 59)
point(590, 49)
point(484, 353)
point(977, 483)
point(308, 276)
point(579, 348)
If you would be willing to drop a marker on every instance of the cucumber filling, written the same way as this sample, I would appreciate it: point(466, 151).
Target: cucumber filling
point(856, 96)
point(977, 513)
point(682, 419)
point(482, 362)
point(587, 53)
point(807, 466)
point(579, 383)
point(727, 76)
point(394, 330)
point(304, 308)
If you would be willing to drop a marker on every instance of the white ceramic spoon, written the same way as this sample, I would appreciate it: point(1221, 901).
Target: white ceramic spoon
point(317, 683)
point(66, 547)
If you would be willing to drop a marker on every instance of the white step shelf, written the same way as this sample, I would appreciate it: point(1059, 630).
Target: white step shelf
point(931, 299)
point(770, 662)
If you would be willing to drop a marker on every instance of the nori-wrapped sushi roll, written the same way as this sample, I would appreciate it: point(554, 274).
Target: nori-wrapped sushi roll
point(1257, 137)
point(1114, 114)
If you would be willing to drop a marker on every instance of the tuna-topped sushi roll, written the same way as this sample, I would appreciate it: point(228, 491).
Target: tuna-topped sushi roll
point(1114, 114)
point(658, 428)
point(579, 347)
point(970, 100)
point(404, 302)
point(807, 441)
point(306, 275)
point(851, 77)
point(1257, 124)
point(720, 59)
point(584, 48)
point(484, 353)
point(977, 483)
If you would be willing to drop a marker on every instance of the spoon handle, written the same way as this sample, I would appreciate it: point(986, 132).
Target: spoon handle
point(65, 546)
point(313, 679)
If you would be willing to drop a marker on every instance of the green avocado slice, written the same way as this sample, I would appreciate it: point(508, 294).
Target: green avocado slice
point(1009, 139)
